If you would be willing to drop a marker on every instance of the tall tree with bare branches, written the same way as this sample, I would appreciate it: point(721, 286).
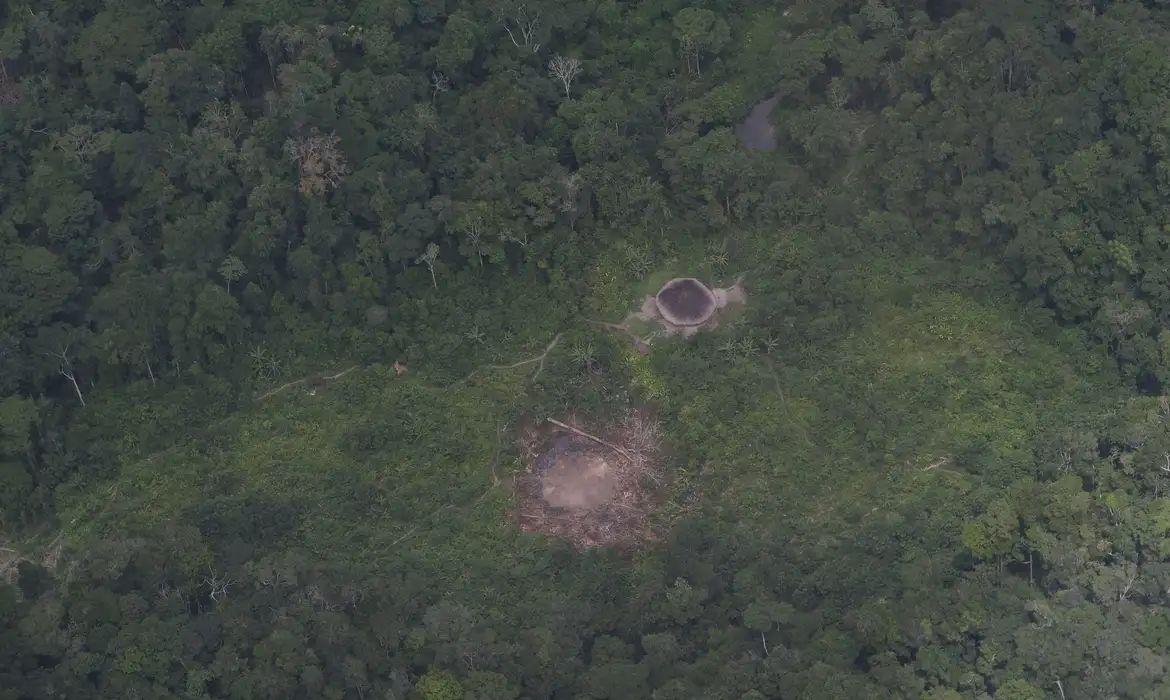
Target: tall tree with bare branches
point(565, 70)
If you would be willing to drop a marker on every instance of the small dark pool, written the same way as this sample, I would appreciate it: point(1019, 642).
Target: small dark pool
point(756, 132)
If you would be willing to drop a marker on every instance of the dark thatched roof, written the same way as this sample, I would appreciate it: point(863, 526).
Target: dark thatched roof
point(685, 302)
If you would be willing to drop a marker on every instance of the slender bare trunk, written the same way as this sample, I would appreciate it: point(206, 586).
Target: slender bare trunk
point(71, 378)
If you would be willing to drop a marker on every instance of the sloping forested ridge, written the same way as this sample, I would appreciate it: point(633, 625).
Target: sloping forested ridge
point(930, 460)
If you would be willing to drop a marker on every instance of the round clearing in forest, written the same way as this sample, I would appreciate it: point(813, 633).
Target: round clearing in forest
point(686, 301)
point(593, 487)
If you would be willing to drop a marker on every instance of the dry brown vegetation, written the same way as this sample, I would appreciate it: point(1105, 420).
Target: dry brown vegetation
point(10, 558)
point(9, 88)
point(593, 487)
point(320, 160)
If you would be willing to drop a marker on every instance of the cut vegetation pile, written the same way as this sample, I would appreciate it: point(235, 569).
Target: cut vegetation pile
point(592, 489)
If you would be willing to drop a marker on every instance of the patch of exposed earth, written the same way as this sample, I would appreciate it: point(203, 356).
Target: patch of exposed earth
point(594, 490)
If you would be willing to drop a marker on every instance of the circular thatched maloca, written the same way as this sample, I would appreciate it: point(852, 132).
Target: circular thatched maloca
point(686, 301)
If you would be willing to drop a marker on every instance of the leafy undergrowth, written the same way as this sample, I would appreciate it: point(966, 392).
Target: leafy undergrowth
point(349, 470)
point(862, 440)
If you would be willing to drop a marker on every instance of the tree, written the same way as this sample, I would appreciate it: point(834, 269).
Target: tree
point(456, 48)
point(995, 534)
point(1019, 690)
point(65, 369)
point(439, 685)
point(565, 70)
point(715, 170)
point(9, 89)
point(439, 85)
point(17, 418)
point(916, 434)
point(428, 258)
point(232, 269)
point(522, 23)
point(698, 30)
point(320, 160)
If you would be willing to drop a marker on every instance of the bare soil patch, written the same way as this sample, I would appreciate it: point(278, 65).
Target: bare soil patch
point(595, 487)
point(579, 481)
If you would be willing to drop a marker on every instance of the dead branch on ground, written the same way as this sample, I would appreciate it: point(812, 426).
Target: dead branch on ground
point(532, 516)
point(539, 358)
point(594, 438)
point(327, 378)
point(784, 400)
point(496, 459)
point(10, 558)
point(938, 465)
point(412, 530)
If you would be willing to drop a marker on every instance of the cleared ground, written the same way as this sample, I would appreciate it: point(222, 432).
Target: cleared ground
point(579, 483)
point(827, 434)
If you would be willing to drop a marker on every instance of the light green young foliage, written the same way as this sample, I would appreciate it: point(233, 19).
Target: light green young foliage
point(440, 685)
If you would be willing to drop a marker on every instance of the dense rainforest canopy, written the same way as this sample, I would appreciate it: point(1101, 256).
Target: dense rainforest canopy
point(282, 280)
